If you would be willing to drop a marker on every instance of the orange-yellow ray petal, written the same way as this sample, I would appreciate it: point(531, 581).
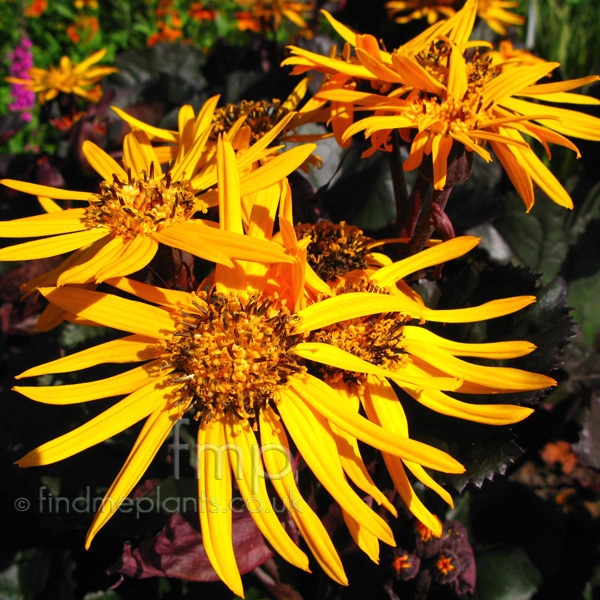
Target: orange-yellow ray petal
point(49, 205)
point(312, 436)
point(116, 385)
point(505, 379)
point(111, 311)
point(85, 269)
point(215, 486)
point(517, 174)
point(387, 276)
point(489, 414)
point(248, 471)
point(117, 418)
point(44, 190)
point(151, 293)
point(394, 464)
point(277, 459)
point(317, 394)
point(134, 257)
point(52, 246)
point(350, 456)
point(132, 348)
point(500, 350)
point(336, 357)
point(489, 310)
point(502, 87)
point(383, 406)
point(155, 431)
point(102, 162)
point(230, 202)
point(152, 132)
point(353, 305)
point(362, 537)
point(51, 223)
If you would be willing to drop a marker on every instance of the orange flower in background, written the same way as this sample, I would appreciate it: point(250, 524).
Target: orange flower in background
point(67, 78)
point(36, 8)
point(199, 12)
point(84, 29)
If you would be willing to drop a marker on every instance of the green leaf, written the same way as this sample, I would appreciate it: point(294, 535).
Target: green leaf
point(505, 573)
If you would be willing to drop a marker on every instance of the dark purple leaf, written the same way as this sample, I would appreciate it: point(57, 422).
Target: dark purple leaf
point(177, 551)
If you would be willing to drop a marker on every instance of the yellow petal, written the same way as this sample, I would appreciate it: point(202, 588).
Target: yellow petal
point(362, 537)
point(489, 310)
point(214, 485)
point(52, 246)
point(119, 417)
point(151, 293)
point(44, 190)
point(151, 438)
point(84, 270)
point(350, 306)
point(500, 350)
point(504, 379)
point(135, 256)
point(248, 471)
point(489, 414)
point(336, 357)
point(132, 348)
point(111, 311)
point(277, 459)
point(317, 394)
point(387, 276)
point(51, 223)
point(49, 205)
point(517, 174)
point(102, 162)
point(350, 456)
point(103, 388)
point(313, 439)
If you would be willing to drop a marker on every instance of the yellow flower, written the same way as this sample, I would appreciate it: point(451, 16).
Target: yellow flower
point(68, 78)
point(493, 12)
point(234, 355)
point(139, 207)
point(247, 122)
point(389, 340)
point(437, 92)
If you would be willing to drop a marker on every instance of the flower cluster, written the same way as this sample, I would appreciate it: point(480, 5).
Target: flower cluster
point(21, 61)
point(302, 337)
point(441, 94)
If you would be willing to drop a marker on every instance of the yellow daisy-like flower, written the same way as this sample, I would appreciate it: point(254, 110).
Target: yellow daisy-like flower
point(139, 207)
point(438, 94)
point(246, 123)
point(493, 12)
point(68, 78)
point(236, 356)
point(392, 341)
